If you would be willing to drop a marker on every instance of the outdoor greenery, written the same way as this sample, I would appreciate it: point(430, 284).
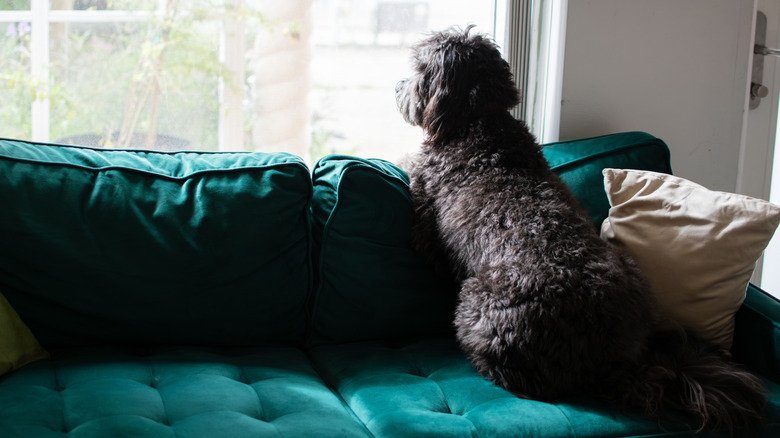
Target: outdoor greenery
point(17, 89)
point(115, 77)
point(14, 5)
point(152, 76)
point(117, 80)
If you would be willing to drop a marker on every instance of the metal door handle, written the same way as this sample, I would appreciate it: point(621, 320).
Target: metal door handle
point(757, 89)
point(766, 51)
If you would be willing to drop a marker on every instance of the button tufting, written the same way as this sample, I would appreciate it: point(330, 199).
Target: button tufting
point(417, 371)
point(442, 407)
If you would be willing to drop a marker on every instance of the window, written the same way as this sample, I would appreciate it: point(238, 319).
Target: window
point(311, 77)
point(361, 50)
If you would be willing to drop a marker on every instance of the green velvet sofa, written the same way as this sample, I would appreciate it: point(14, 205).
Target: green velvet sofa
point(235, 295)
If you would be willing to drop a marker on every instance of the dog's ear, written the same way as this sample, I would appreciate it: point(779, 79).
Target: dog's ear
point(447, 98)
point(463, 76)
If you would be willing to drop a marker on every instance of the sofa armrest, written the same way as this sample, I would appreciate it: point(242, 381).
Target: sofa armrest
point(757, 333)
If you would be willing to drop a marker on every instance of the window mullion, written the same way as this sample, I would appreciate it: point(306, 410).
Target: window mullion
point(232, 53)
point(39, 68)
point(517, 48)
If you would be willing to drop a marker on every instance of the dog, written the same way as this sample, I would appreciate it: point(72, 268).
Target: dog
point(546, 307)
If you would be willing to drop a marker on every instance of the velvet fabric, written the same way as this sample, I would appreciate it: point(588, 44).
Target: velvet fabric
point(367, 274)
point(173, 392)
point(426, 388)
point(370, 283)
point(757, 333)
point(139, 247)
point(156, 280)
point(579, 164)
point(405, 388)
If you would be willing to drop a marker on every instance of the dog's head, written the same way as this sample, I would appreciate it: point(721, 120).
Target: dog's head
point(457, 76)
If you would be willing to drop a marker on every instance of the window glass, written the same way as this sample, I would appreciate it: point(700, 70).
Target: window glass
point(311, 77)
point(14, 5)
point(115, 83)
point(17, 87)
point(104, 5)
point(361, 51)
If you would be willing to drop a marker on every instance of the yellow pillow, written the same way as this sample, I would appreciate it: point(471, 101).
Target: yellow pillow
point(18, 346)
point(696, 247)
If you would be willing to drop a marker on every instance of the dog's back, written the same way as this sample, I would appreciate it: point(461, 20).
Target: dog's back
point(546, 307)
point(541, 290)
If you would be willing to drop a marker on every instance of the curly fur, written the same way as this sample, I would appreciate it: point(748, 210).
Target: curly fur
point(546, 307)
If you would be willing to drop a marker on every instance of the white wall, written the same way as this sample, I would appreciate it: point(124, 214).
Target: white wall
point(677, 69)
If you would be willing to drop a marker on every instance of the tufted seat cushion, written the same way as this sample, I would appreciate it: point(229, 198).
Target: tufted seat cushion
point(426, 388)
point(168, 392)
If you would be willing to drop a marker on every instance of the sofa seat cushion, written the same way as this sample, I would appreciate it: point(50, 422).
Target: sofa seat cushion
point(172, 392)
point(102, 247)
point(426, 388)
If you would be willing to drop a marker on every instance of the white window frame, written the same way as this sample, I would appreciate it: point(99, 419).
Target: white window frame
point(534, 38)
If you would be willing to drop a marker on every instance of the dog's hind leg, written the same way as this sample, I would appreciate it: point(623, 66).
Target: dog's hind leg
point(490, 329)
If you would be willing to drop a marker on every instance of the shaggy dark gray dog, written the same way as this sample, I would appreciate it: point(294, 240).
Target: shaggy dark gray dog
point(546, 307)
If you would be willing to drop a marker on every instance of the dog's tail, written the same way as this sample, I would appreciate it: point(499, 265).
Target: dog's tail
point(681, 373)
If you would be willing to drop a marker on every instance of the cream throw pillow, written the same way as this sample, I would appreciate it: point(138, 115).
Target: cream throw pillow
point(696, 247)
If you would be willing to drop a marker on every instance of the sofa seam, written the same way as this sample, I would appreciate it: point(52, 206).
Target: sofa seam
point(64, 425)
point(572, 430)
point(262, 409)
point(149, 151)
point(312, 281)
point(185, 177)
point(290, 160)
point(449, 408)
point(333, 390)
point(656, 142)
point(166, 419)
point(318, 248)
point(317, 289)
point(596, 137)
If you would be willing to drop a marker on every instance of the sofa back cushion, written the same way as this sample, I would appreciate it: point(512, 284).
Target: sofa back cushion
point(371, 284)
point(103, 246)
point(580, 162)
